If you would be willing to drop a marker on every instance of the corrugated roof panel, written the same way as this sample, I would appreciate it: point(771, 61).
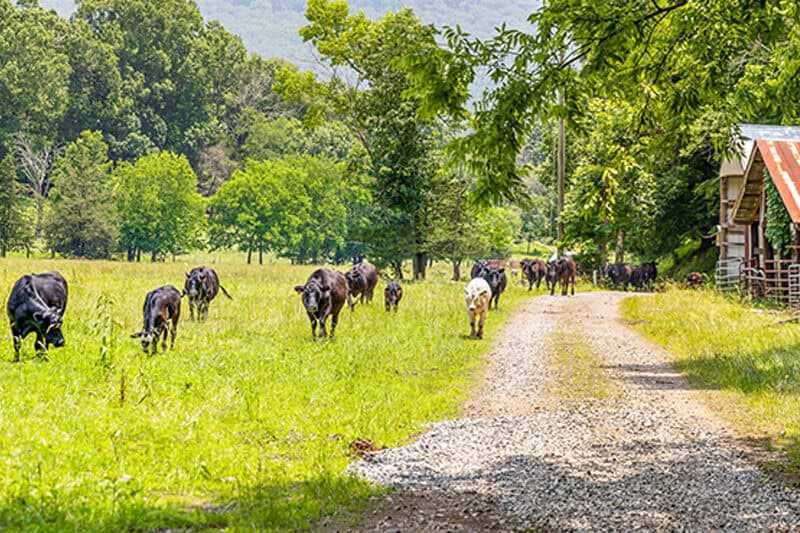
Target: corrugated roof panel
point(745, 136)
point(782, 159)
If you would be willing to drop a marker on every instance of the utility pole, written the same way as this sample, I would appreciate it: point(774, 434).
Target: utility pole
point(560, 160)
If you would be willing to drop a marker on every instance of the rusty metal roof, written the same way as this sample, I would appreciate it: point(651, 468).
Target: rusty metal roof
point(744, 137)
point(782, 159)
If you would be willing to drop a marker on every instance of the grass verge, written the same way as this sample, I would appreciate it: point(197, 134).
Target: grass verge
point(245, 425)
point(744, 362)
point(575, 369)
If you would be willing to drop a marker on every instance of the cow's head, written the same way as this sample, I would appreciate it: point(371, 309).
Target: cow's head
point(392, 293)
point(552, 269)
point(314, 294)
point(49, 323)
point(354, 279)
point(195, 284)
point(146, 338)
point(493, 276)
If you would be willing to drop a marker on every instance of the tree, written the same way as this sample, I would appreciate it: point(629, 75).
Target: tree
point(380, 114)
point(160, 211)
point(35, 157)
point(82, 221)
point(12, 221)
point(33, 70)
point(256, 210)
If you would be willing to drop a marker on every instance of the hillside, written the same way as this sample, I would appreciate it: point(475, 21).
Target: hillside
point(269, 27)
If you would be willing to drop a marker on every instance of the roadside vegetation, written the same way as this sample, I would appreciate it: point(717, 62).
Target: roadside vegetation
point(246, 424)
point(741, 357)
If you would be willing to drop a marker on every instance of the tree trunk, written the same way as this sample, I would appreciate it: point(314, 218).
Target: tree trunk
point(420, 262)
point(3, 251)
point(153, 255)
point(138, 255)
point(619, 255)
point(456, 270)
point(249, 256)
point(397, 266)
point(602, 246)
point(39, 214)
point(260, 255)
point(131, 255)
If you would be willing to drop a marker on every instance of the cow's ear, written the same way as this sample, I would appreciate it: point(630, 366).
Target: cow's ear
point(501, 269)
point(298, 289)
point(187, 274)
point(137, 334)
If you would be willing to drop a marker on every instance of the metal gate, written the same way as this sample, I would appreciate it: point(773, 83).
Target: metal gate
point(794, 284)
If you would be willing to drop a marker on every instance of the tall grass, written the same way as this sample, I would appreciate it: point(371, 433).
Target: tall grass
point(748, 363)
point(245, 424)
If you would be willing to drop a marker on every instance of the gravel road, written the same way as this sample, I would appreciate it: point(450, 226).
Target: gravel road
point(651, 458)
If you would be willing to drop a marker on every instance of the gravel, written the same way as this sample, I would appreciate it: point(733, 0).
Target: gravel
point(652, 459)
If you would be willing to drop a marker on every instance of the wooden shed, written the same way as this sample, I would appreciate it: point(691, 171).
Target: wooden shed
point(747, 260)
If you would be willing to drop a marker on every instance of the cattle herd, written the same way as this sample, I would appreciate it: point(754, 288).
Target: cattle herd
point(37, 301)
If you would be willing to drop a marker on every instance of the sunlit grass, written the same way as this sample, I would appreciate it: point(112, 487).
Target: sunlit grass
point(246, 424)
point(747, 363)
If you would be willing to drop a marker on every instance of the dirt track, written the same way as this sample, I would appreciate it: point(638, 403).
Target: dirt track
point(650, 457)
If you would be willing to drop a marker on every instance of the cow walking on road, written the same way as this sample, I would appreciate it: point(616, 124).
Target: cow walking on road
point(161, 312)
point(562, 270)
point(477, 296)
point(534, 270)
point(36, 305)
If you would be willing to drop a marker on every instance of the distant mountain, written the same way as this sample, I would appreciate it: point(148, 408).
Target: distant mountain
point(269, 27)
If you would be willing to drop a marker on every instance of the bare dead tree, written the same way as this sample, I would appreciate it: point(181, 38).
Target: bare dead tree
point(35, 160)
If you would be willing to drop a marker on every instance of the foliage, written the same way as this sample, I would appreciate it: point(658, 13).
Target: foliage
point(737, 352)
point(12, 221)
point(380, 115)
point(159, 209)
point(292, 206)
point(82, 221)
point(246, 424)
point(779, 223)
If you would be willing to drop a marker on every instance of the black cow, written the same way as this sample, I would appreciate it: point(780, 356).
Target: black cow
point(201, 286)
point(497, 280)
point(324, 295)
point(477, 268)
point(620, 274)
point(392, 295)
point(361, 280)
point(535, 270)
point(644, 276)
point(564, 270)
point(162, 310)
point(36, 305)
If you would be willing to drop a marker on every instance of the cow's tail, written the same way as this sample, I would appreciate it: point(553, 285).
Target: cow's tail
point(225, 292)
point(183, 293)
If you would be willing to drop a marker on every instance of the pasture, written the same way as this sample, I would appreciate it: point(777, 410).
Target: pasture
point(742, 360)
point(247, 423)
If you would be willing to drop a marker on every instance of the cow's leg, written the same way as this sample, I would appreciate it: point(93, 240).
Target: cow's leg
point(322, 331)
point(16, 337)
point(313, 327)
point(472, 334)
point(173, 330)
point(388, 306)
point(350, 302)
point(573, 285)
point(480, 324)
point(553, 287)
point(191, 308)
point(334, 322)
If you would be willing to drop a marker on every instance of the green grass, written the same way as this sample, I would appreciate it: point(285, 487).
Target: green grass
point(748, 366)
point(246, 424)
point(576, 369)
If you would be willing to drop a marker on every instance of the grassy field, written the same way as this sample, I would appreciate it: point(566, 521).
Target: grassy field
point(745, 362)
point(246, 424)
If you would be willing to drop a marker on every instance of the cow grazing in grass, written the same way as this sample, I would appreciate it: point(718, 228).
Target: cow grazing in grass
point(323, 295)
point(534, 271)
point(478, 296)
point(36, 305)
point(392, 295)
point(361, 281)
point(202, 286)
point(562, 270)
point(162, 311)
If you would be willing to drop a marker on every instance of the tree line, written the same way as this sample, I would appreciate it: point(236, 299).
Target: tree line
point(138, 128)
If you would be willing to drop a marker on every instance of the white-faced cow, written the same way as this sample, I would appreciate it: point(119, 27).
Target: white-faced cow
point(202, 286)
point(162, 310)
point(477, 296)
point(392, 295)
point(36, 305)
point(323, 295)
